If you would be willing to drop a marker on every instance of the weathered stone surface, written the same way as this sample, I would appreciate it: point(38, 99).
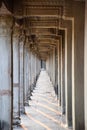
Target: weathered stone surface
point(41, 24)
point(6, 85)
point(21, 55)
point(78, 68)
point(85, 68)
point(16, 83)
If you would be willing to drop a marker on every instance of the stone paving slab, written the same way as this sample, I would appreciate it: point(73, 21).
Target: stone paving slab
point(43, 112)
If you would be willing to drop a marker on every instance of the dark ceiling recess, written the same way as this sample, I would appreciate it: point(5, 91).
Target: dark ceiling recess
point(0, 3)
point(39, 20)
point(9, 4)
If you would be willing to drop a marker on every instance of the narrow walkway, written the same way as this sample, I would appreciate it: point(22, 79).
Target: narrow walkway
point(43, 113)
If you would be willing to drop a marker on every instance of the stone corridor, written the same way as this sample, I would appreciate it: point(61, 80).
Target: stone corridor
point(37, 34)
point(43, 112)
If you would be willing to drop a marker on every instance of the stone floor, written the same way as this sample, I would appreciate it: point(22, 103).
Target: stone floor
point(43, 112)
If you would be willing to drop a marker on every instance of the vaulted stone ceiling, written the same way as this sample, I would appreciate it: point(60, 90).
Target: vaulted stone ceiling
point(41, 21)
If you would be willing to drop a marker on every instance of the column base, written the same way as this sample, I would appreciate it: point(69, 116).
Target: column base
point(29, 97)
point(31, 93)
point(69, 124)
point(56, 89)
point(16, 121)
point(32, 88)
point(70, 127)
point(26, 103)
point(22, 110)
point(63, 111)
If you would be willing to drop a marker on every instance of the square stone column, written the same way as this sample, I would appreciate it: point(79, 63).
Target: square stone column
point(26, 74)
point(16, 84)
point(29, 75)
point(68, 73)
point(63, 73)
point(53, 66)
point(85, 68)
point(35, 67)
point(59, 70)
point(6, 74)
point(21, 55)
point(31, 72)
point(78, 67)
point(56, 69)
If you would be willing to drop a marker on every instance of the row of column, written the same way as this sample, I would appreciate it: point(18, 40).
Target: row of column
point(55, 65)
point(19, 69)
point(71, 72)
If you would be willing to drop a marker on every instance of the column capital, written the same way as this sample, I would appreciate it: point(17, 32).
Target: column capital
point(6, 18)
point(22, 37)
point(4, 10)
point(6, 24)
point(6, 21)
point(16, 30)
point(26, 42)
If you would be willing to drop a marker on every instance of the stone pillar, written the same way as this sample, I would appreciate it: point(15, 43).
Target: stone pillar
point(53, 75)
point(21, 47)
point(16, 85)
point(31, 71)
point(48, 67)
point(63, 73)
point(47, 64)
point(51, 70)
point(68, 73)
point(29, 75)
point(56, 69)
point(6, 75)
point(26, 74)
point(38, 66)
point(35, 68)
point(78, 67)
point(51, 66)
point(85, 69)
point(59, 70)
